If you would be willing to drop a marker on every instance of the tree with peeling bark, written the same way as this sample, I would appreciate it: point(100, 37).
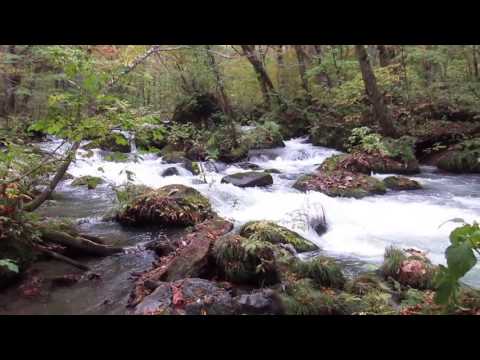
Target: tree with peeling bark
point(380, 109)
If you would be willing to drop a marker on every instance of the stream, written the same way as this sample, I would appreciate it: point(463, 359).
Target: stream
point(358, 230)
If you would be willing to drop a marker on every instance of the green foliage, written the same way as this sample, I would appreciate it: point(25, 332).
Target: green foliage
point(460, 256)
point(366, 140)
point(10, 264)
point(323, 271)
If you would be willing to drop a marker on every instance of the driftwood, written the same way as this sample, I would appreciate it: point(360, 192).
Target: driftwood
point(65, 259)
point(80, 243)
point(189, 260)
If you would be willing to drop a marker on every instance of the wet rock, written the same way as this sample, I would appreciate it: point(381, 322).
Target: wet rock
point(248, 179)
point(66, 280)
point(91, 182)
point(248, 166)
point(161, 247)
point(189, 297)
point(114, 142)
point(171, 171)
point(262, 302)
point(401, 183)
point(171, 205)
point(117, 157)
point(276, 234)
point(409, 267)
point(272, 171)
point(341, 184)
point(180, 159)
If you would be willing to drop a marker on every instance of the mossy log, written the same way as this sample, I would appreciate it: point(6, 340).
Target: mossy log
point(79, 243)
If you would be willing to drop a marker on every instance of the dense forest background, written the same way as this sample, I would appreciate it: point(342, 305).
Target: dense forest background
point(390, 107)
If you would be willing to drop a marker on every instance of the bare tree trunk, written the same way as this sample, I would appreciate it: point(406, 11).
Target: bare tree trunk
point(40, 199)
point(383, 55)
point(11, 83)
point(280, 67)
point(381, 112)
point(266, 84)
point(227, 108)
point(302, 68)
point(475, 62)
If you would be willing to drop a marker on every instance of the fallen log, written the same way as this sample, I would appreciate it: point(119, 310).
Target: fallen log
point(79, 243)
point(57, 256)
point(189, 260)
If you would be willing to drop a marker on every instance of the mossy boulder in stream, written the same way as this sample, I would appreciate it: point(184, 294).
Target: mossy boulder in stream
point(91, 182)
point(248, 179)
point(401, 183)
point(171, 205)
point(324, 272)
point(114, 142)
point(462, 158)
point(246, 261)
point(409, 267)
point(341, 184)
point(276, 234)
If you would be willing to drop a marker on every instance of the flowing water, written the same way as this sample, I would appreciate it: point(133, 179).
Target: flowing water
point(358, 230)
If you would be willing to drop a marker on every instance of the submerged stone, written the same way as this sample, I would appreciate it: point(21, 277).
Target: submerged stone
point(248, 179)
point(90, 181)
point(401, 183)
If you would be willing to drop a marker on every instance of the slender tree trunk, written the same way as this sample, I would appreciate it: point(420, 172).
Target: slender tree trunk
point(381, 112)
point(227, 108)
point(383, 55)
point(280, 67)
point(475, 62)
point(302, 68)
point(40, 199)
point(266, 84)
point(12, 81)
point(323, 75)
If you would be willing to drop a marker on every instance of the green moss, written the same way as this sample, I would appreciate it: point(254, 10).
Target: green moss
point(264, 136)
point(246, 261)
point(325, 272)
point(276, 234)
point(401, 183)
point(461, 161)
point(90, 181)
point(117, 157)
point(171, 205)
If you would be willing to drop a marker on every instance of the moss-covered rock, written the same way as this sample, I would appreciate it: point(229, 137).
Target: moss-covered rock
point(117, 157)
point(114, 142)
point(246, 261)
point(341, 184)
point(410, 268)
point(171, 156)
point(330, 134)
point(149, 137)
point(401, 183)
point(276, 234)
point(462, 158)
point(248, 179)
point(265, 136)
point(91, 182)
point(324, 271)
point(171, 205)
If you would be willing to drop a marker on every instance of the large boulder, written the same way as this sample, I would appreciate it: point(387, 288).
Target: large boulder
point(276, 234)
point(248, 179)
point(261, 302)
point(341, 184)
point(171, 171)
point(462, 158)
point(401, 183)
point(114, 142)
point(191, 296)
point(171, 205)
point(409, 267)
